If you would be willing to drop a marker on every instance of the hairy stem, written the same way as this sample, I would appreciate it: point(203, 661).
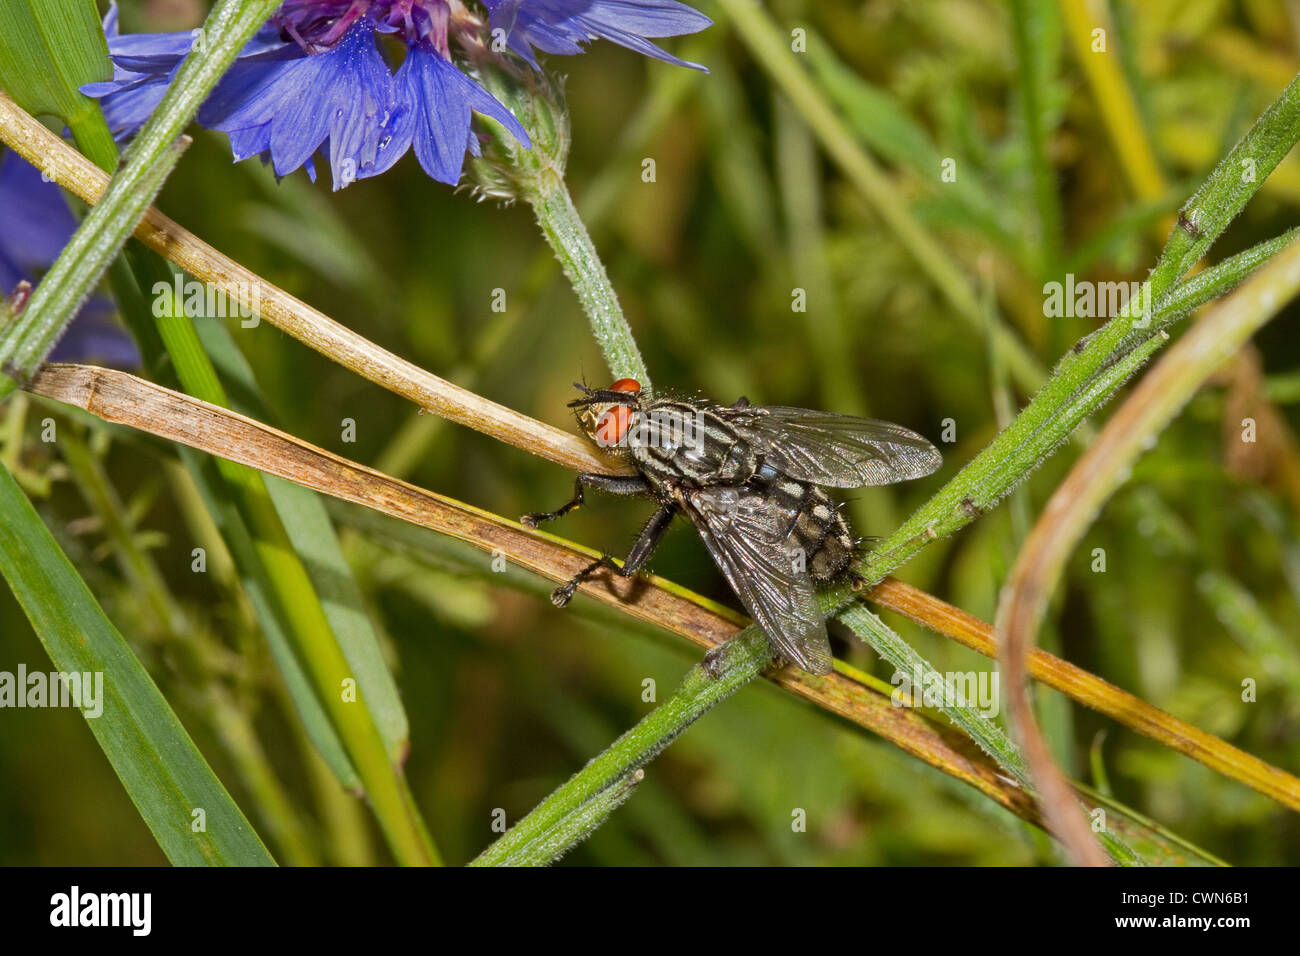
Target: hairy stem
point(564, 230)
point(532, 840)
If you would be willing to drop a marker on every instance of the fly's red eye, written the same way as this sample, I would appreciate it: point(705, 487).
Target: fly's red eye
point(626, 385)
point(613, 425)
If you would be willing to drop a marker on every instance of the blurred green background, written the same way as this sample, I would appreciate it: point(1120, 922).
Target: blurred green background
point(508, 696)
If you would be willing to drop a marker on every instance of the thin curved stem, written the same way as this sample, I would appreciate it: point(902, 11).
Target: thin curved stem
point(1076, 502)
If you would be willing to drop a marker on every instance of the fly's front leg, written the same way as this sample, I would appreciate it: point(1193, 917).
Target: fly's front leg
point(614, 484)
point(645, 545)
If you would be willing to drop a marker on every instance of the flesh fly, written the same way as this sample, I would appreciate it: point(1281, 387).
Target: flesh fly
point(750, 478)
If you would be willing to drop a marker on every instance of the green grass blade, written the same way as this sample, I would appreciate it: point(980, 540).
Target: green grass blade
point(50, 48)
point(261, 595)
point(311, 533)
point(1038, 50)
point(163, 772)
point(884, 126)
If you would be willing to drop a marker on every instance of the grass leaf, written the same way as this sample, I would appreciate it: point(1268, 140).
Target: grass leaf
point(163, 772)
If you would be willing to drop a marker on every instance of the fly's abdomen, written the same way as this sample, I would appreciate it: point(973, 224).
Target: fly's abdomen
point(819, 536)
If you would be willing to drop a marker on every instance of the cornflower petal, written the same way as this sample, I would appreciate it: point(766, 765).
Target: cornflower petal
point(564, 26)
point(35, 225)
point(435, 101)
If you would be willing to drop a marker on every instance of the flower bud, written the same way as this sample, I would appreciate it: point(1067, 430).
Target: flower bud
point(507, 169)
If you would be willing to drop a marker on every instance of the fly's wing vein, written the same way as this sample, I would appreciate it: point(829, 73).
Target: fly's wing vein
point(747, 533)
point(837, 451)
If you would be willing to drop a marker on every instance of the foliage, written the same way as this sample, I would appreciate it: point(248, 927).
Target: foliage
point(819, 170)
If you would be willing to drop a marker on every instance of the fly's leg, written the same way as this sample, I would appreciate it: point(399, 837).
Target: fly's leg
point(613, 484)
point(636, 558)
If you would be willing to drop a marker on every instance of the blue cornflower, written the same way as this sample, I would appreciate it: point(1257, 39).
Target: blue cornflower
point(314, 77)
point(35, 225)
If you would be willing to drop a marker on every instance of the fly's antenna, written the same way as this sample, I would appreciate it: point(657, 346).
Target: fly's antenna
point(582, 386)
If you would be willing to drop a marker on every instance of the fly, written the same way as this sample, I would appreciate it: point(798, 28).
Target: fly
point(750, 478)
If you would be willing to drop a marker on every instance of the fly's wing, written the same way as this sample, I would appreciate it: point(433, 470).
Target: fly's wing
point(838, 451)
point(747, 534)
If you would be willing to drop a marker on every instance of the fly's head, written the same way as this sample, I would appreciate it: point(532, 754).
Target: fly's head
point(607, 414)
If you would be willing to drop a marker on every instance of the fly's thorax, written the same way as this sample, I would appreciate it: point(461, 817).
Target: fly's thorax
point(690, 443)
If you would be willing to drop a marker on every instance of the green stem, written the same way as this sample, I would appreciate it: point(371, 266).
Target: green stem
point(568, 237)
point(1081, 382)
point(151, 157)
point(536, 174)
point(296, 601)
point(965, 714)
point(1077, 501)
point(980, 485)
point(138, 568)
point(540, 844)
point(574, 810)
point(1037, 43)
point(1219, 279)
point(1162, 395)
point(561, 819)
point(1040, 428)
point(26, 341)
